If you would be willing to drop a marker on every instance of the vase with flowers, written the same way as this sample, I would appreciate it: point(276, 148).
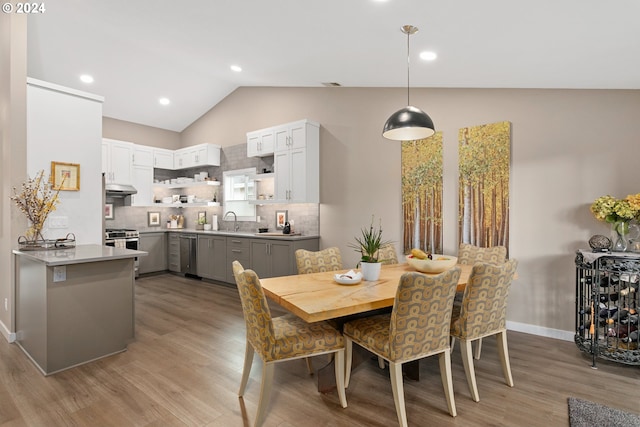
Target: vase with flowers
point(368, 245)
point(36, 200)
point(619, 213)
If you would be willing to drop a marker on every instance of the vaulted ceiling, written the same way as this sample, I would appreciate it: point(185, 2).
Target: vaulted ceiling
point(141, 50)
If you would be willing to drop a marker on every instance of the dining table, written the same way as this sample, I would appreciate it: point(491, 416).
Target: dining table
point(317, 296)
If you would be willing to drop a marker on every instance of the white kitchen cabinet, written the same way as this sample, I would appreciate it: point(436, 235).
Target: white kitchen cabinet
point(143, 182)
point(297, 162)
point(197, 155)
point(117, 161)
point(163, 158)
point(260, 143)
point(142, 155)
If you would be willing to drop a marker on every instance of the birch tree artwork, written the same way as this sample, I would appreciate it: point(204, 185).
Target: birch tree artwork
point(484, 154)
point(422, 194)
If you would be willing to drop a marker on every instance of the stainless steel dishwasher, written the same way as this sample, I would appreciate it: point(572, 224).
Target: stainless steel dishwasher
point(188, 252)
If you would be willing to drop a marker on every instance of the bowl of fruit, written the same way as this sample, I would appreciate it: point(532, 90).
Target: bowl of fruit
point(426, 262)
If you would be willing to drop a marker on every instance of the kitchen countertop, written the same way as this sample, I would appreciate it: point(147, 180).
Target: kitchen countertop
point(80, 254)
point(229, 233)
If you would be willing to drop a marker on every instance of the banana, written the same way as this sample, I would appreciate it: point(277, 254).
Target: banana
point(417, 253)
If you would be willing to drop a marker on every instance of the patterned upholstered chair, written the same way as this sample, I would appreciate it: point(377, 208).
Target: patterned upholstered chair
point(314, 262)
point(469, 255)
point(387, 253)
point(483, 313)
point(281, 338)
point(417, 327)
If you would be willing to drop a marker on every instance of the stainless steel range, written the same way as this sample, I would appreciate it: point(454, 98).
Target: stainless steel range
point(123, 238)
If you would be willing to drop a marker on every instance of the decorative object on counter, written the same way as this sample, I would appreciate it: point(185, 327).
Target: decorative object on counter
point(154, 219)
point(600, 243)
point(281, 219)
point(177, 221)
point(214, 222)
point(263, 230)
point(65, 176)
point(619, 213)
point(108, 211)
point(368, 246)
point(37, 200)
point(201, 221)
point(409, 123)
point(287, 228)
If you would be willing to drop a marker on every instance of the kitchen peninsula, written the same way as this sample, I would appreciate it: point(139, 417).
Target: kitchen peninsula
point(74, 305)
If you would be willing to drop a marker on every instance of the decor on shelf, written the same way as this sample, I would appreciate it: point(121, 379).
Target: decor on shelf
point(600, 243)
point(368, 246)
point(281, 219)
point(65, 176)
point(619, 213)
point(409, 123)
point(154, 219)
point(37, 200)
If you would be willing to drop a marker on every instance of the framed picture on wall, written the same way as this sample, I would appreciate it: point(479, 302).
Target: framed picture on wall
point(154, 219)
point(281, 218)
point(65, 176)
point(108, 211)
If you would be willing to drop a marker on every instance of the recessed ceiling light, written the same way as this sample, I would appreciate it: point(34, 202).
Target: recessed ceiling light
point(428, 55)
point(164, 101)
point(86, 78)
point(236, 68)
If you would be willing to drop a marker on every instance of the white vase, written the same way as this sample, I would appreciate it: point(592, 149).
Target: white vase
point(370, 270)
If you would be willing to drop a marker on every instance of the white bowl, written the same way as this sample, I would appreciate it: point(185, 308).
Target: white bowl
point(438, 264)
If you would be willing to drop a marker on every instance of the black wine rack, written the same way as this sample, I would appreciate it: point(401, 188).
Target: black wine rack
point(607, 306)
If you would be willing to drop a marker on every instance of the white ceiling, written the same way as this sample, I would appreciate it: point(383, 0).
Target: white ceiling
point(141, 50)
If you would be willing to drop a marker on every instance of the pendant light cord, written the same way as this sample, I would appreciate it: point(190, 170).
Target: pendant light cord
point(408, 66)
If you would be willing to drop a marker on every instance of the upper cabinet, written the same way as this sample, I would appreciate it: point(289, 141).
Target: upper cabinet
point(162, 158)
point(142, 155)
point(260, 143)
point(197, 155)
point(297, 162)
point(117, 161)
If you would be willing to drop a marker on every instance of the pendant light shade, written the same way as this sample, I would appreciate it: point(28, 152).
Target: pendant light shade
point(409, 123)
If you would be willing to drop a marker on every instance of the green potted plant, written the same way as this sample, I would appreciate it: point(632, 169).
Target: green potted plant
point(202, 220)
point(368, 245)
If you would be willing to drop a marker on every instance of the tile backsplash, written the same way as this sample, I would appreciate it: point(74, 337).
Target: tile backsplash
point(305, 216)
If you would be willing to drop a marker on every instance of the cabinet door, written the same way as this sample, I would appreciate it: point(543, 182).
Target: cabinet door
point(174, 252)
point(281, 259)
point(297, 135)
point(238, 249)
point(260, 260)
point(212, 257)
point(142, 155)
point(298, 176)
point(120, 162)
point(162, 159)
point(281, 138)
point(143, 182)
point(253, 144)
point(282, 175)
point(156, 245)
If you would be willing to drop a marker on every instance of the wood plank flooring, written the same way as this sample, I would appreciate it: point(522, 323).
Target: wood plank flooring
point(184, 369)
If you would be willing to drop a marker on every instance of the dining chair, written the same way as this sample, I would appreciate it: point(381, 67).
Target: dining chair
point(483, 313)
point(278, 339)
point(328, 259)
point(417, 327)
point(470, 254)
point(387, 254)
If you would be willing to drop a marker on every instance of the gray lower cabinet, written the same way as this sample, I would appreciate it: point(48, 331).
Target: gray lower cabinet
point(272, 258)
point(212, 257)
point(173, 254)
point(156, 245)
point(238, 249)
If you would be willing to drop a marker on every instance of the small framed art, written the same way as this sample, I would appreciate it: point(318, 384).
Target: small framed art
point(108, 211)
point(153, 219)
point(65, 176)
point(281, 218)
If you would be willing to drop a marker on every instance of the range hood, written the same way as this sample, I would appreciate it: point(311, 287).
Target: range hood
point(119, 190)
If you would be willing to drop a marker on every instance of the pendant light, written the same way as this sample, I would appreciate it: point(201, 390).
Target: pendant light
point(409, 123)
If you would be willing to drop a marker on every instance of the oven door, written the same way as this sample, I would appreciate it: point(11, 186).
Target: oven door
point(129, 243)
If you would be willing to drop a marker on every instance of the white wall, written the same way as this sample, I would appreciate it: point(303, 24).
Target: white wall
point(65, 125)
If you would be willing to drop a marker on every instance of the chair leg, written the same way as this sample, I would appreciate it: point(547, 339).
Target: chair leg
point(503, 352)
point(339, 361)
point(453, 344)
point(395, 371)
point(444, 359)
point(467, 361)
point(380, 362)
point(309, 365)
point(246, 369)
point(476, 355)
point(348, 348)
point(265, 392)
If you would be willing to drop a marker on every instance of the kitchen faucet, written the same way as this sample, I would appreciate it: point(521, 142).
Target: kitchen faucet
point(235, 219)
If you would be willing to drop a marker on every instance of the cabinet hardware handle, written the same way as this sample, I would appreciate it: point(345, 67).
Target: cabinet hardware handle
point(236, 250)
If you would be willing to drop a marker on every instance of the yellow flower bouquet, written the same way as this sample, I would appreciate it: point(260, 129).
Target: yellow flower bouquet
point(619, 213)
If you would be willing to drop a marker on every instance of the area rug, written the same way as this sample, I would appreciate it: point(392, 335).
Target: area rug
point(583, 413)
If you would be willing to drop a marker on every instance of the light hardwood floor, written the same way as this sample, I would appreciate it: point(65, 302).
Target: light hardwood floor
point(184, 370)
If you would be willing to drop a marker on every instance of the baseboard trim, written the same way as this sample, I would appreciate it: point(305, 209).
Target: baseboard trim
point(9, 336)
point(541, 331)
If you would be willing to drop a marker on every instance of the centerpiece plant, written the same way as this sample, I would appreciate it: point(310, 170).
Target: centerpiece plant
point(619, 213)
point(368, 244)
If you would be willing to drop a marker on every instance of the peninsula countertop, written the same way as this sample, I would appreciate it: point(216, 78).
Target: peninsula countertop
point(79, 255)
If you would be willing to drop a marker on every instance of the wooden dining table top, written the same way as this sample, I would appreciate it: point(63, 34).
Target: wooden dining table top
point(317, 296)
